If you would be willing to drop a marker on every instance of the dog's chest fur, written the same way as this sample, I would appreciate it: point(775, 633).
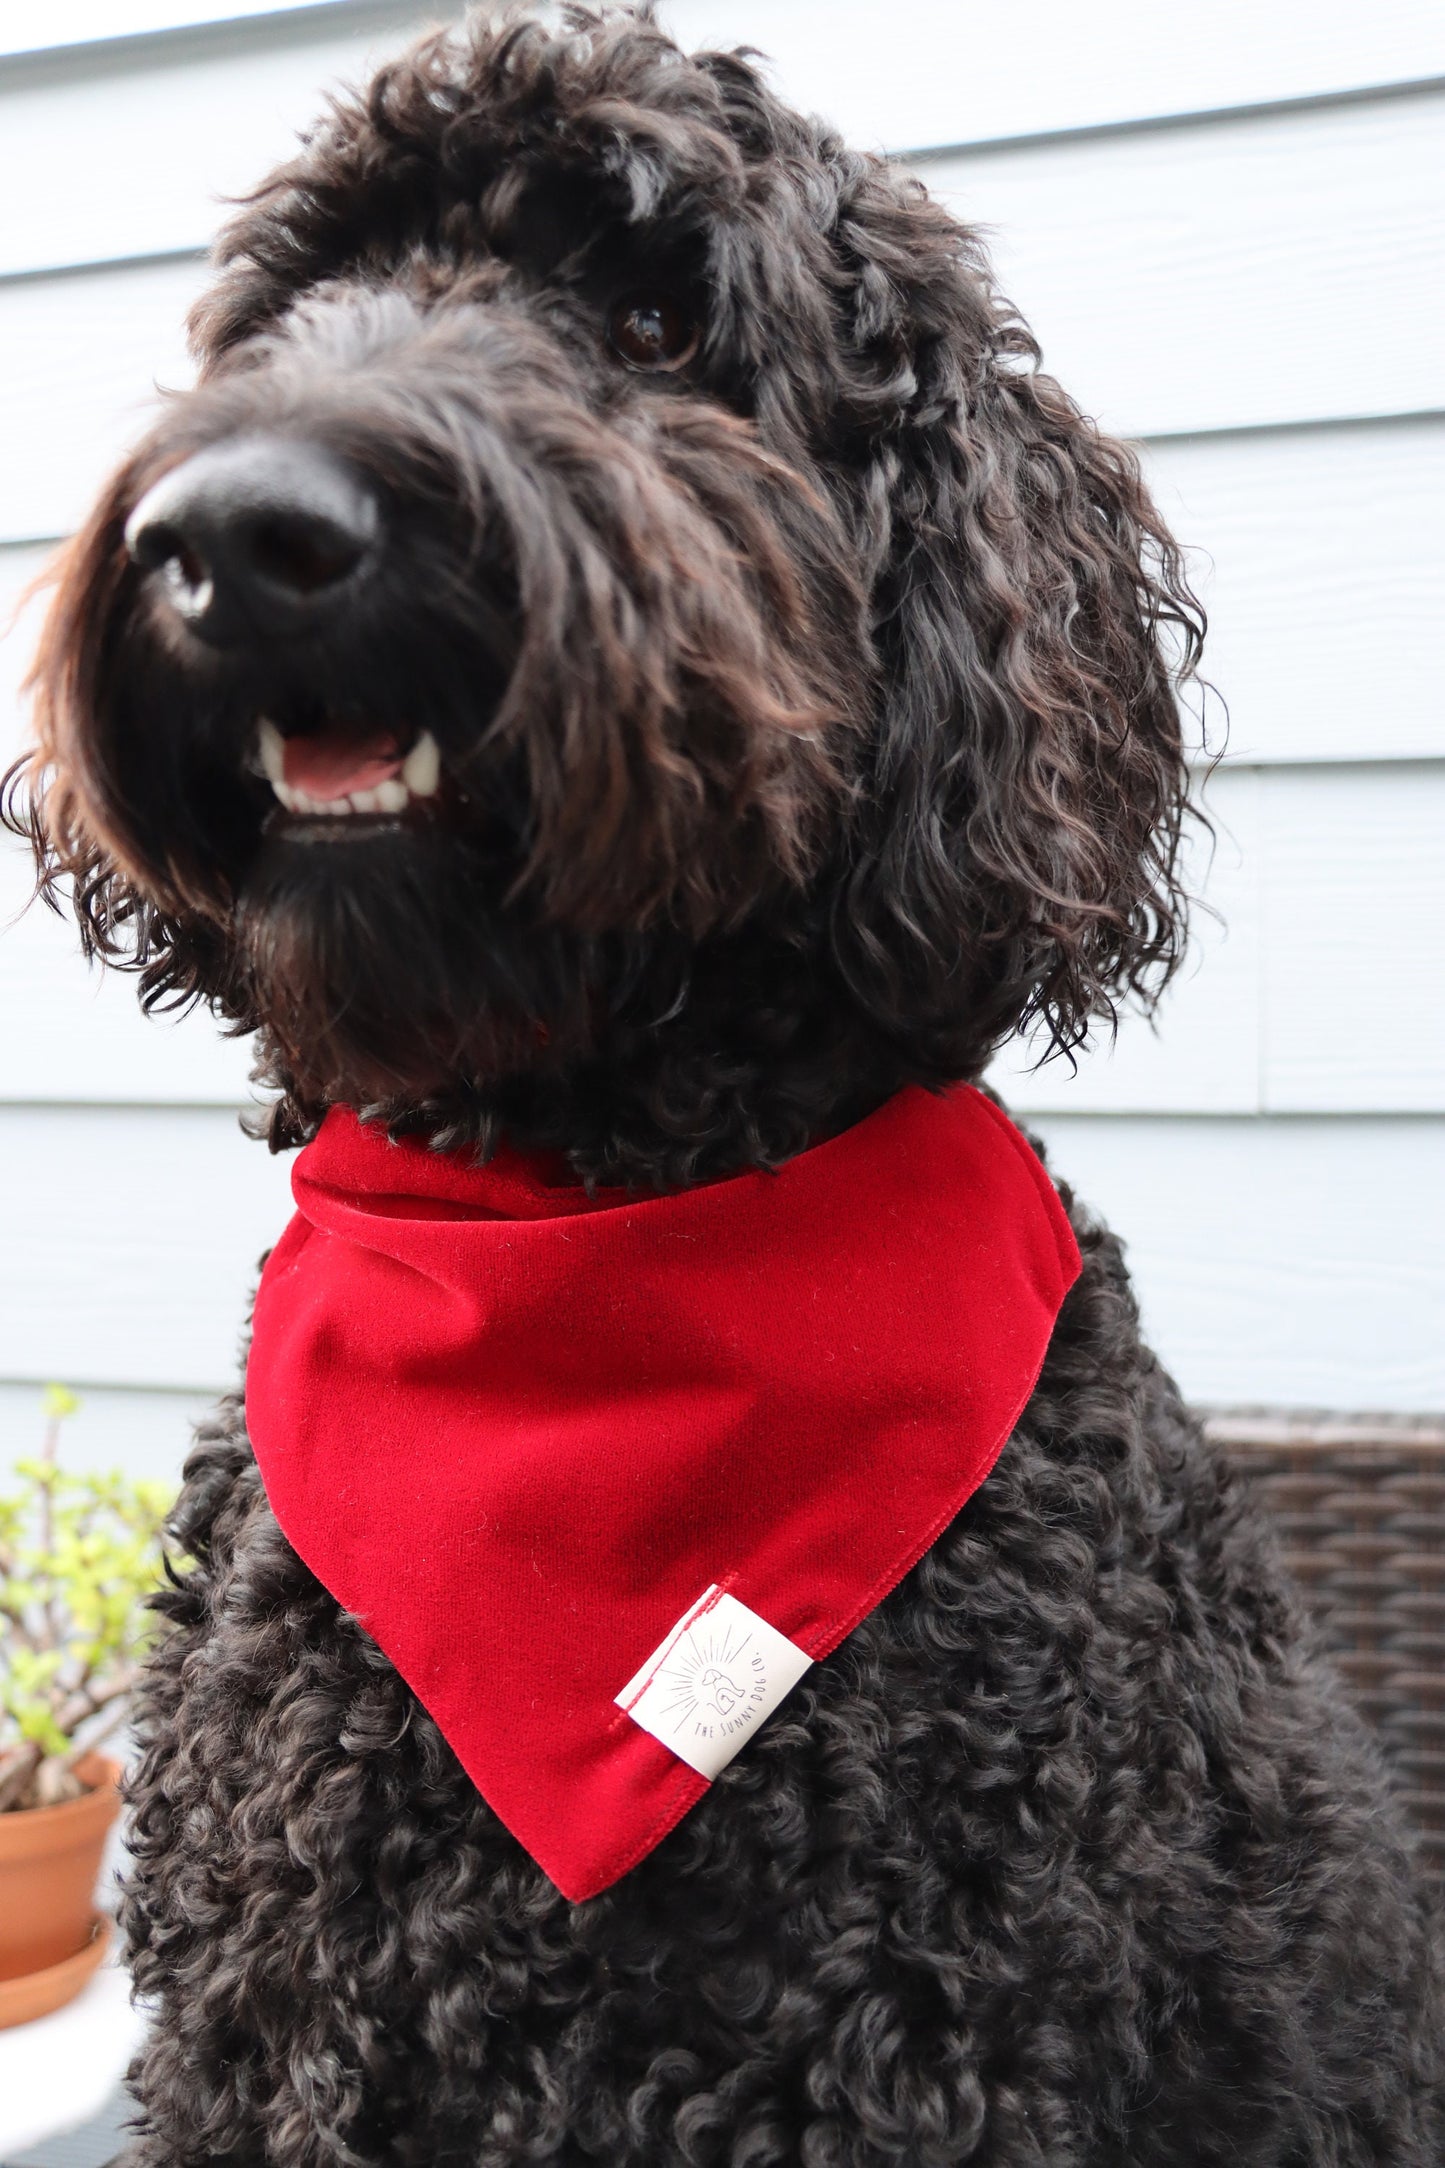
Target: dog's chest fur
point(1008, 1880)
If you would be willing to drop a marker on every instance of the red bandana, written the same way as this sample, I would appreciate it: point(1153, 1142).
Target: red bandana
point(600, 1473)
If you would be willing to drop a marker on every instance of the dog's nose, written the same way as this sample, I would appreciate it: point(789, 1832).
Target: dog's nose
point(260, 535)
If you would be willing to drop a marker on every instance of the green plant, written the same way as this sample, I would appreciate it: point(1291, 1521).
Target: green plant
point(79, 1554)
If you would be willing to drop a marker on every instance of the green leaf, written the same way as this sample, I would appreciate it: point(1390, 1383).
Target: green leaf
point(73, 1609)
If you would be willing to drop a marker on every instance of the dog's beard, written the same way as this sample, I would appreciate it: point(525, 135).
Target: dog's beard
point(387, 967)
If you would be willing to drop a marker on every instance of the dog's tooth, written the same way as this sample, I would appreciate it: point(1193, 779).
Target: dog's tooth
point(421, 770)
point(285, 793)
point(390, 796)
point(272, 748)
point(367, 801)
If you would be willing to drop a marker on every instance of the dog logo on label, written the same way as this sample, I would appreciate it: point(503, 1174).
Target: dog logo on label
point(716, 1680)
point(722, 1692)
point(719, 1674)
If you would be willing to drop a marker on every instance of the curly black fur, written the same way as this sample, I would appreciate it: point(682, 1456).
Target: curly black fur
point(809, 721)
point(1070, 1857)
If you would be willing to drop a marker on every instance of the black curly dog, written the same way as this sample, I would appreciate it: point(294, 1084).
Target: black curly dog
point(802, 666)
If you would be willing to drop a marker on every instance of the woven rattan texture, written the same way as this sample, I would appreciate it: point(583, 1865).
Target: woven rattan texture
point(1360, 1507)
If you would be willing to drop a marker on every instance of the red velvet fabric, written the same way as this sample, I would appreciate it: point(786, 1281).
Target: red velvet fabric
point(518, 1431)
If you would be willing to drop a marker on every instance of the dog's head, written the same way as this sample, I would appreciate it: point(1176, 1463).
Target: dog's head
point(622, 642)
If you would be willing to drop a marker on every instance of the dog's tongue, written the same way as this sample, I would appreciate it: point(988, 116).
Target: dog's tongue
point(333, 767)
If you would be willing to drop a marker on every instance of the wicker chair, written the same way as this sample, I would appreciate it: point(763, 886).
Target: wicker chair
point(1360, 1505)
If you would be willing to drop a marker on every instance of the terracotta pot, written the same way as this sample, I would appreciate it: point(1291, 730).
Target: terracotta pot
point(36, 1994)
point(49, 1865)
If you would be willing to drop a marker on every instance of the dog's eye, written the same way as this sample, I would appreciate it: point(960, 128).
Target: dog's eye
point(650, 331)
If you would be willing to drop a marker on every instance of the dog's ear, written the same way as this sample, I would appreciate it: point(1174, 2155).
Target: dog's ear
point(1016, 855)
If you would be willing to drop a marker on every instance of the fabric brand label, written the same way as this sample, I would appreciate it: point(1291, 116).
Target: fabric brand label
point(714, 1679)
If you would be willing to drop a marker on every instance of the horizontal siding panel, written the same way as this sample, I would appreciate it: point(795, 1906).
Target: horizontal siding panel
point(27, 26)
point(1320, 556)
point(142, 1433)
point(78, 1033)
point(137, 159)
point(132, 1238)
point(1353, 914)
point(1285, 1261)
point(80, 361)
point(20, 569)
point(1318, 991)
point(1232, 274)
point(920, 73)
point(941, 75)
point(1290, 1262)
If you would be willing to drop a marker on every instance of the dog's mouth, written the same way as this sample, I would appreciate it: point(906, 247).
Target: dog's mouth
point(337, 768)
